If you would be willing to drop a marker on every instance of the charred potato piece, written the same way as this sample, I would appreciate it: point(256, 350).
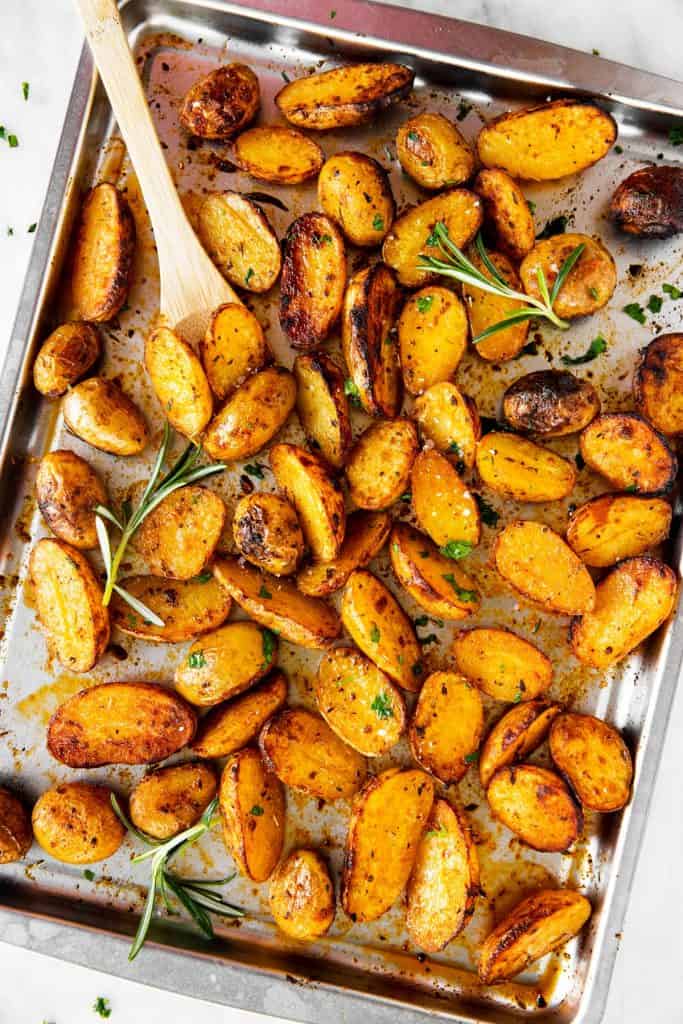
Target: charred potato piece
point(313, 280)
point(221, 103)
point(551, 403)
point(520, 469)
point(594, 760)
point(316, 496)
point(75, 823)
point(450, 421)
point(433, 152)
point(226, 662)
point(240, 240)
point(344, 96)
point(537, 563)
point(16, 835)
point(365, 535)
point(447, 725)
point(445, 507)
point(626, 450)
point(437, 583)
point(370, 309)
point(277, 154)
point(379, 466)
point(502, 664)
point(233, 348)
point(616, 526)
point(589, 284)
point(66, 356)
point(658, 383)
point(170, 800)
point(180, 535)
point(267, 533)
point(178, 381)
point(67, 491)
point(514, 736)
point(301, 896)
point(535, 804)
point(252, 416)
point(323, 407)
point(649, 203)
point(507, 212)
point(231, 726)
point(484, 310)
point(186, 607)
point(99, 412)
point(432, 337)
point(354, 190)
point(252, 802)
point(103, 255)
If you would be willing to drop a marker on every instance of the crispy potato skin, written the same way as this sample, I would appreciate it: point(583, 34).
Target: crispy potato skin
point(507, 211)
point(447, 725)
point(378, 470)
point(99, 412)
point(594, 760)
point(520, 469)
point(179, 381)
point(232, 725)
point(313, 280)
point(616, 526)
point(649, 203)
point(240, 240)
point(16, 835)
point(75, 823)
point(371, 305)
point(450, 421)
point(344, 96)
point(169, 800)
point(102, 262)
point(277, 154)
point(501, 664)
point(253, 808)
point(186, 607)
point(233, 348)
point(322, 406)
point(222, 103)
point(445, 507)
point(301, 896)
point(535, 804)
point(432, 337)
point(551, 403)
point(366, 533)
point(433, 152)
point(267, 533)
point(438, 584)
point(485, 310)
point(514, 736)
point(179, 536)
point(316, 496)
point(589, 284)
point(224, 663)
point(628, 452)
point(252, 416)
point(67, 491)
point(354, 190)
point(658, 383)
point(65, 356)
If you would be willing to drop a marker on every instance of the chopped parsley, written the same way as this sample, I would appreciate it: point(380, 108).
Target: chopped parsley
point(351, 391)
point(596, 53)
point(463, 110)
point(32, 228)
point(381, 705)
point(517, 697)
point(102, 1007)
point(25, 89)
point(326, 239)
point(90, 875)
point(555, 226)
point(672, 291)
point(204, 577)
point(488, 514)
point(378, 223)
point(406, 496)
point(264, 592)
point(255, 469)
point(597, 347)
point(256, 810)
point(537, 626)
point(676, 136)
point(631, 489)
point(424, 303)
point(375, 633)
point(333, 15)
point(456, 549)
point(269, 645)
point(655, 303)
point(594, 293)
point(13, 141)
point(431, 638)
point(196, 659)
point(248, 276)
point(471, 758)
point(618, 150)
point(432, 237)
point(285, 76)
point(532, 206)
point(436, 832)
point(635, 311)
point(469, 596)
point(10, 231)
point(421, 620)
point(454, 449)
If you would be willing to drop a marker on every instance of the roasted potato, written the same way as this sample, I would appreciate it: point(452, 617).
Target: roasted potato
point(313, 280)
point(354, 190)
point(179, 382)
point(66, 356)
point(445, 507)
point(519, 469)
point(616, 526)
point(316, 496)
point(75, 823)
point(507, 212)
point(232, 725)
point(380, 462)
point(379, 626)
point(322, 406)
point(308, 756)
point(433, 152)
point(537, 563)
point(594, 760)
point(450, 421)
point(267, 533)
point(180, 535)
point(221, 103)
point(252, 801)
point(649, 203)
point(186, 607)
point(233, 348)
point(371, 306)
point(549, 141)
point(67, 491)
point(485, 309)
point(447, 724)
point(169, 800)
point(382, 841)
point(535, 804)
point(631, 602)
point(432, 337)
point(226, 662)
point(68, 599)
point(252, 416)
point(344, 96)
point(536, 926)
point(658, 383)
point(102, 260)
point(278, 604)
point(502, 664)
point(365, 535)
point(625, 449)
point(240, 240)
point(301, 896)
point(436, 582)
point(99, 412)
point(514, 736)
point(551, 403)
point(277, 154)
point(359, 702)
point(588, 286)
point(16, 835)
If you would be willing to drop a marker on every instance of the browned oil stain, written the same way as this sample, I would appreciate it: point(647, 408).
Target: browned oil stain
point(43, 702)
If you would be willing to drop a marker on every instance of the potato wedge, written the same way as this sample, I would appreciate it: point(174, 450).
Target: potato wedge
point(187, 608)
point(75, 823)
point(67, 491)
point(371, 306)
point(432, 337)
point(460, 210)
point(313, 280)
point(354, 190)
point(221, 103)
point(539, 924)
point(240, 240)
point(658, 383)
point(502, 664)
point(551, 403)
point(359, 702)
point(178, 381)
point(626, 450)
point(66, 356)
point(322, 406)
point(267, 533)
point(436, 582)
point(450, 421)
point(484, 310)
point(102, 260)
point(68, 598)
point(180, 535)
point(379, 626)
point(344, 96)
point(594, 760)
point(649, 203)
point(537, 563)
point(16, 834)
point(308, 756)
point(365, 535)
point(616, 526)
point(445, 507)
point(99, 412)
point(507, 212)
point(378, 470)
point(433, 152)
point(301, 896)
point(169, 800)
point(445, 880)
point(518, 468)
point(232, 725)
point(588, 286)
point(381, 844)
point(253, 808)
point(278, 604)
point(226, 662)
point(631, 602)
point(447, 725)
point(535, 804)
point(315, 495)
point(273, 153)
point(233, 348)
point(514, 736)
point(252, 416)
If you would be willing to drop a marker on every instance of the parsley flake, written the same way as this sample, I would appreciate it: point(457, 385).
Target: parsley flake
point(378, 223)
point(456, 549)
point(351, 391)
point(488, 514)
point(204, 577)
point(248, 276)
point(13, 141)
point(269, 645)
point(256, 810)
point(555, 226)
point(102, 1007)
point(469, 596)
point(25, 89)
point(264, 592)
point(375, 633)
point(672, 291)
point(635, 311)
point(381, 705)
point(471, 758)
point(32, 228)
point(676, 136)
point(255, 469)
point(90, 875)
point(424, 303)
point(597, 347)
point(196, 659)
point(463, 110)
point(655, 303)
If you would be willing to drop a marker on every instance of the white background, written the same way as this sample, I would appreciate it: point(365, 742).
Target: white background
point(39, 42)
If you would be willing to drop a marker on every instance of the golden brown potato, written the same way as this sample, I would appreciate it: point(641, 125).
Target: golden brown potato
point(67, 491)
point(507, 212)
point(588, 286)
point(313, 279)
point(301, 896)
point(278, 604)
point(252, 801)
point(179, 536)
point(344, 96)
point(631, 602)
point(365, 535)
point(536, 926)
point(432, 337)
point(447, 724)
point(458, 209)
point(658, 383)
point(316, 496)
point(502, 664)
point(537, 563)
point(252, 416)
point(277, 154)
point(233, 348)
point(433, 152)
point(445, 507)
point(170, 800)
point(450, 421)
point(625, 449)
point(378, 471)
point(371, 306)
point(379, 626)
point(232, 725)
point(435, 581)
point(68, 598)
point(387, 820)
point(550, 402)
point(226, 662)
point(179, 382)
point(99, 412)
point(66, 356)
point(323, 407)
point(267, 533)
point(649, 203)
point(76, 824)
point(308, 756)
point(616, 526)
point(445, 880)
point(484, 310)
point(519, 469)
point(186, 607)
point(535, 804)
point(354, 190)
point(594, 760)
point(221, 103)
point(240, 240)
point(16, 835)
point(103, 255)
point(514, 736)
point(359, 702)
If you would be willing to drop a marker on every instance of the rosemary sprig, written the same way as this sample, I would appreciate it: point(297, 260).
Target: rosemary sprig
point(197, 895)
point(455, 264)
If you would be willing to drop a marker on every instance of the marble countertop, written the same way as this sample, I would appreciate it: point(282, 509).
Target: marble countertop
point(40, 42)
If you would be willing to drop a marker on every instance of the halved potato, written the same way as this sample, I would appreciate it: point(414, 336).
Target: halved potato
point(252, 416)
point(387, 821)
point(537, 563)
point(301, 896)
point(447, 725)
point(180, 535)
point(99, 412)
point(240, 240)
point(16, 835)
point(649, 202)
point(445, 507)
point(323, 407)
point(625, 449)
point(589, 284)
point(485, 309)
point(436, 582)
point(502, 664)
point(66, 356)
point(178, 381)
point(550, 402)
point(658, 383)
point(631, 602)
point(313, 279)
point(507, 212)
point(535, 804)
point(433, 152)
point(226, 662)
point(378, 470)
point(273, 153)
point(450, 421)
point(252, 801)
point(75, 823)
point(233, 348)
point(120, 723)
point(267, 533)
point(616, 526)
point(518, 468)
point(365, 535)
point(171, 799)
point(371, 306)
point(354, 190)
point(307, 755)
point(69, 602)
point(344, 96)
point(316, 496)
point(103, 255)
point(186, 607)
point(432, 337)
point(514, 736)
point(594, 760)
point(232, 725)
point(221, 103)
point(67, 491)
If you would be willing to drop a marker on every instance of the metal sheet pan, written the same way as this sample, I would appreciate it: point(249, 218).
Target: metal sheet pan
point(463, 70)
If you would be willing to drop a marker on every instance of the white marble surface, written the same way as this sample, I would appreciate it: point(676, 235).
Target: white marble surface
point(40, 43)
